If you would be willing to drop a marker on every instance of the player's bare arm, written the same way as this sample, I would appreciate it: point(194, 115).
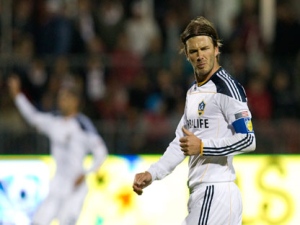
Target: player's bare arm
point(141, 181)
point(190, 144)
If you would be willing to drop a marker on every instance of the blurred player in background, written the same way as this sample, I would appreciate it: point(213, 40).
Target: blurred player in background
point(215, 126)
point(72, 136)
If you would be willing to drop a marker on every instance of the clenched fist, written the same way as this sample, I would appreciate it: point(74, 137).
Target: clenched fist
point(141, 181)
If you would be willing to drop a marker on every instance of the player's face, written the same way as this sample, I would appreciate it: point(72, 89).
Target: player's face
point(202, 54)
point(67, 103)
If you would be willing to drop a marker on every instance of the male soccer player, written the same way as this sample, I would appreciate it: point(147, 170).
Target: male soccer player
point(72, 136)
point(215, 126)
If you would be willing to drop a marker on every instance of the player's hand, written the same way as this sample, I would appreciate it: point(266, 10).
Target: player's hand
point(79, 180)
point(141, 181)
point(190, 143)
point(14, 85)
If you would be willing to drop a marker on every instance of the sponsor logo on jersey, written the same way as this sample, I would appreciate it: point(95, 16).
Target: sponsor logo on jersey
point(198, 123)
point(201, 108)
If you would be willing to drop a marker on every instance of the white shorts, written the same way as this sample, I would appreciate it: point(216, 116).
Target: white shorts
point(215, 204)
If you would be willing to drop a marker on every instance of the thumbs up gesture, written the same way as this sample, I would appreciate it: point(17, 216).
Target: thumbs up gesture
point(190, 144)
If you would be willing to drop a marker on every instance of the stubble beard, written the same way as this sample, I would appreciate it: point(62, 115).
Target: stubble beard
point(201, 75)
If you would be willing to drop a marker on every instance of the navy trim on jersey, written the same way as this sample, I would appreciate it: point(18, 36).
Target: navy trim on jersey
point(229, 86)
point(205, 209)
point(221, 151)
point(193, 84)
point(86, 124)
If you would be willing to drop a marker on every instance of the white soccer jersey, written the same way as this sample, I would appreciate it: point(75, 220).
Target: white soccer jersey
point(211, 109)
point(71, 139)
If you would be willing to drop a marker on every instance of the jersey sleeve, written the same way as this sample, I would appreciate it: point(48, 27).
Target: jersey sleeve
point(37, 119)
point(172, 157)
point(99, 151)
point(238, 117)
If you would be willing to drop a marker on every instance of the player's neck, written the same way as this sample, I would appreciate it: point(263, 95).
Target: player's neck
point(212, 72)
point(70, 114)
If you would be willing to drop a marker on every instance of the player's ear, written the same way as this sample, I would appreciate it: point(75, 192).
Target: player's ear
point(217, 51)
point(184, 50)
point(186, 55)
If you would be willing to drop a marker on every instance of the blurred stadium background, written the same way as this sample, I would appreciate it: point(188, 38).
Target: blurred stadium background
point(124, 57)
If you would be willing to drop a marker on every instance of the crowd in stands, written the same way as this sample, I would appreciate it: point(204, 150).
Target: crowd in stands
point(124, 57)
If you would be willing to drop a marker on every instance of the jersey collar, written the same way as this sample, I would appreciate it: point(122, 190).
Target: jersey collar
point(205, 81)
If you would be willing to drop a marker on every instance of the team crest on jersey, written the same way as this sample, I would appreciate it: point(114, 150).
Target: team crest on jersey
point(201, 107)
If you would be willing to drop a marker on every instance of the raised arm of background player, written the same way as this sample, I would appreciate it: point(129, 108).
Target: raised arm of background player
point(42, 121)
point(33, 117)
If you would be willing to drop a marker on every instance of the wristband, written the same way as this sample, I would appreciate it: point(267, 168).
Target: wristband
point(201, 148)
